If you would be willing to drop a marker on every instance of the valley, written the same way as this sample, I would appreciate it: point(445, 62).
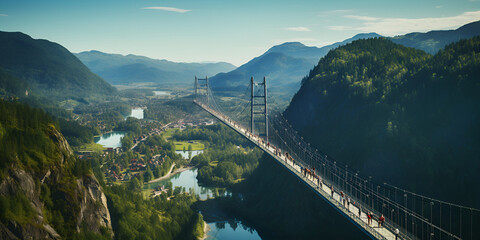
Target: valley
point(99, 145)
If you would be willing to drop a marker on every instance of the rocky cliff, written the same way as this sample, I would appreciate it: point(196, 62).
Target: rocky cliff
point(44, 198)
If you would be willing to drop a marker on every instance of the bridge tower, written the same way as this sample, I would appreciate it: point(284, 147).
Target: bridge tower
point(259, 108)
point(201, 86)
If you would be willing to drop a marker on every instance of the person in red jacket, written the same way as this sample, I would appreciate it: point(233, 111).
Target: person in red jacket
point(369, 217)
point(381, 220)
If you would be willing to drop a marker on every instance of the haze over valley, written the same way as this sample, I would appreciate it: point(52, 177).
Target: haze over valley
point(251, 120)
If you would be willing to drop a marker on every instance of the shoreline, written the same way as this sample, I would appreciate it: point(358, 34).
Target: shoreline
point(171, 173)
point(206, 229)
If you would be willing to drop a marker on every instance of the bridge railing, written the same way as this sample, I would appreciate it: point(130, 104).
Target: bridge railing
point(414, 215)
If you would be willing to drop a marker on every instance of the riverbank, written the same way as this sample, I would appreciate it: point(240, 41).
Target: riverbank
point(170, 173)
point(206, 229)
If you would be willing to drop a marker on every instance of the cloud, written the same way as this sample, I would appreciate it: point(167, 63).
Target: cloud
point(361, 18)
point(398, 26)
point(298, 29)
point(439, 6)
point(169, 9)
point(3, 15)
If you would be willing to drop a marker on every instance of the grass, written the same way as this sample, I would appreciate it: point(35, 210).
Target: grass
point(147, 193)
point(91, 147)
point(195, 146)
point(179, 145)
point(169, 133)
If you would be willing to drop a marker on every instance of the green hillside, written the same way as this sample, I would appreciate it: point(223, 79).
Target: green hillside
point(49, 68)
point(398, 114)
point(283, 65)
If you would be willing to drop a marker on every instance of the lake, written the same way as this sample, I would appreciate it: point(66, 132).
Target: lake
point(187, 179)
point(185, 154)
point(161, 93)
point(136, 113)
point(231, 230)
point(110, 140)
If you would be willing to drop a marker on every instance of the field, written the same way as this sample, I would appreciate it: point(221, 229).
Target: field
point(179, 146)
point(93, 147)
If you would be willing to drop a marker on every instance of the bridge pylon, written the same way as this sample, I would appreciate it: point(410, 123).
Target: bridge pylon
point(259, 108)
point(201, 86)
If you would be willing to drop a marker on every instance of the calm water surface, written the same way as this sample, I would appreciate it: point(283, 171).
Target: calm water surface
point(187, 179)
point(161, 93)
point(136, 113)
point(228, 230)
point(231, 230)
point(185, 154)
point(111, 139)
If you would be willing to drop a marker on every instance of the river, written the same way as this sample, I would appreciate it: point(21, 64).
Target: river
point(223, 230)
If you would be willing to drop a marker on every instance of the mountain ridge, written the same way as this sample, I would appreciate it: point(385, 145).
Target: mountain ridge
point(132, 66)
point(397, 114)
point(289, 63)
point(49, 68)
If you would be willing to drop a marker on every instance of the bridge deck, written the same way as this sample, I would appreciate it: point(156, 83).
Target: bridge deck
point(335, 200)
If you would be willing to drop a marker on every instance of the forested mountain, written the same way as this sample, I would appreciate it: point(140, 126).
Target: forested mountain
point(398, 114)
point(45, 192)
point(119, 69)
point(283, 65)
point(431, 42)
point(49, 69)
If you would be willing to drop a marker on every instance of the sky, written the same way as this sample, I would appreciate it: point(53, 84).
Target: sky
point(229, 31)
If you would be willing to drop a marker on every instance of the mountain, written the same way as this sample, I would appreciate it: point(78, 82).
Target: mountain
point(398, 114)
point(120, 69)
point(433, 41)
point(49, 68)
point(45, 191)
point(283, 65)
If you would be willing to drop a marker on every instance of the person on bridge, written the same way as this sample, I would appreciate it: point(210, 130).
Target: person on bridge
point(369, 217)
point(381, 220)
point(397, 232)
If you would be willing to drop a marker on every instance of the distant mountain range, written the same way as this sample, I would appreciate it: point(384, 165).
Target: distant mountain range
point(283, 65)
point(120, 69)
point(431, 42)
point(46, 68)
point(287, 64)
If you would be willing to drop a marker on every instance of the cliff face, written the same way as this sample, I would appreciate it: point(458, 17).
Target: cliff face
point(93, 206)
point(20, 182)
point(52, 194)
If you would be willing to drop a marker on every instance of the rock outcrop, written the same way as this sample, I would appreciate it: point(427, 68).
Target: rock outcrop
point(86, 195)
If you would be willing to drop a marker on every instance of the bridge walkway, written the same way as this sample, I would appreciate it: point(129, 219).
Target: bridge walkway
point(323, 189)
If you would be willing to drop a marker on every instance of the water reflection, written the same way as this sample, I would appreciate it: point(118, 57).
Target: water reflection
point(110, 140)
point(231, 229)
point(136, 113)
point(185, 154)
point(188, 180)
point(161, 93)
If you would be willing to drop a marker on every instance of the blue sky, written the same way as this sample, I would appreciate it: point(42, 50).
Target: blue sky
point(231, 31)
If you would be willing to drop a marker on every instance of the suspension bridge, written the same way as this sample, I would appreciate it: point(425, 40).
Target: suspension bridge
point(381, 210)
